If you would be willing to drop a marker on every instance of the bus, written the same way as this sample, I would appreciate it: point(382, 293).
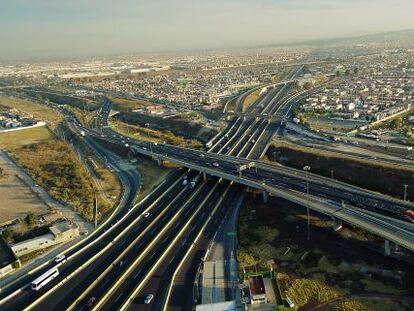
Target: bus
point(45, 278)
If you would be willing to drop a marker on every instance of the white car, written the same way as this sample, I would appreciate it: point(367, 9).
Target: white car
point(146, 215)
point(60, 258)
point(148, 299)
point(216, 164)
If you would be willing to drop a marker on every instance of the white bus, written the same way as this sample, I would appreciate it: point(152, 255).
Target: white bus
point(45, 278)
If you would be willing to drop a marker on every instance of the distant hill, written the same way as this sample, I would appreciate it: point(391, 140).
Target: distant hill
point(401, 37)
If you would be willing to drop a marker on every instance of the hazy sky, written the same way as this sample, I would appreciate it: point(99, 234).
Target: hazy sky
point(44, 28)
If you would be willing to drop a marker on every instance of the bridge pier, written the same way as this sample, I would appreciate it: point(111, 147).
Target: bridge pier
point(388, 248)
point(265, 196)
point(337, 224)
point(204, 176)
point(159, 161)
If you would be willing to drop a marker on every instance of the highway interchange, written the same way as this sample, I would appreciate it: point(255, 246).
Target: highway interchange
point(142, 248)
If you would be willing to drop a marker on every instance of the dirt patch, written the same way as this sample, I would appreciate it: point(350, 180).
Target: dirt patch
point(17, 200)
point(152, 175)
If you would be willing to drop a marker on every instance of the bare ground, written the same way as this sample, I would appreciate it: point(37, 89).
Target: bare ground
point(17, 200)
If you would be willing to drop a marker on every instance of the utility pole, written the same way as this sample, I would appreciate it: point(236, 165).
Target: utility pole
point(307, 169)
point(95, 203)
point(405, 192)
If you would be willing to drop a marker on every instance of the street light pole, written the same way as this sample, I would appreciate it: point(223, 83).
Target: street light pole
point(95, 203)
point(306, 169)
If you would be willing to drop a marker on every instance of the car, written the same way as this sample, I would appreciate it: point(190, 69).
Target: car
point(201, 155)
point(148, 299)
point(60, 258)
point(146, 215)
point(216, 164)
point(91, 301)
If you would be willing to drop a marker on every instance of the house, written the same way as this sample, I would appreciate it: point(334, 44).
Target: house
point(59, 233)
point(257, 289)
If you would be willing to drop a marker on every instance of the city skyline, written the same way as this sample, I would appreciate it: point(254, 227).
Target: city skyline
point(42, 29)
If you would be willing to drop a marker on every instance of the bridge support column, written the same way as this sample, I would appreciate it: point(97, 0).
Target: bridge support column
point(159, 161)
point(337, 224)
point(265, 196)
point(387, 248)
point(204, 176)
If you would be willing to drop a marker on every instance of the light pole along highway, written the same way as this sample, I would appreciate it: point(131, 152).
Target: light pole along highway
point(25, 298)
point(239, 142)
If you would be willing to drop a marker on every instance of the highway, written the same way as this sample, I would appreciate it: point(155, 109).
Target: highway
point(130, 183)
point(251, 128)
point(156, 246)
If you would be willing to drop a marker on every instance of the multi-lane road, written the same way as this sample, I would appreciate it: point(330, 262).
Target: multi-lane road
point(156, 246)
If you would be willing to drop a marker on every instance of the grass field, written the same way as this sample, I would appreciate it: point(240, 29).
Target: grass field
point(250, 99)
point(38, 111)
point(123, 104)
point(16, 139)
point(151, 173)
point(146, 134)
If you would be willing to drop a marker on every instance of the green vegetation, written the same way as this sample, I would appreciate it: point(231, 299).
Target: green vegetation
point(8, 235)
point(255, 243)
point(55, 167)
point(250, 99)
point(179, 125)
point(313, 273)
point(78, 102)
point(128, 105)
point(396, 123)
point(12, 140)
point(307, 86)
point(351, 305)
point(147, 134)
point(30, 220)
point(152, 175)
point(302, 291)
point(38, 111)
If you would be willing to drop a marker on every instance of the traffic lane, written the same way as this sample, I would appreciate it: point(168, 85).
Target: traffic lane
point(112, 275)
point(231, 166)
point(160, 280)
point(181, 295)
point(231, 140)
point(122, 293)
point(131, 188)
point(71, 265)
point(76, 286)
